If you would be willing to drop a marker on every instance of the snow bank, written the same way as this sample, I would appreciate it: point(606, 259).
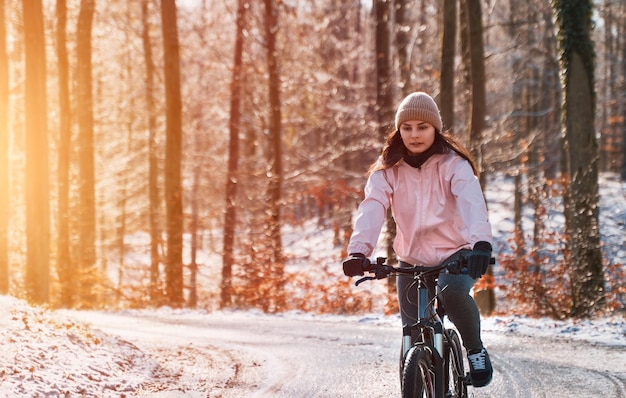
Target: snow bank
point(45, 354)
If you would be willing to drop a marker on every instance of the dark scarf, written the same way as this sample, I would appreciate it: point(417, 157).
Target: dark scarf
point(419, 159)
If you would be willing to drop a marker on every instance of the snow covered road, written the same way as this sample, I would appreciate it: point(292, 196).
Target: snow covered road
point(254, 355)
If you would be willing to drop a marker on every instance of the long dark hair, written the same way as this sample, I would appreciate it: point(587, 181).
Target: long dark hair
point(394, 150)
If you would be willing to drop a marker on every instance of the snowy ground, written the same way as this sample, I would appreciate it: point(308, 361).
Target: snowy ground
point(52, 354)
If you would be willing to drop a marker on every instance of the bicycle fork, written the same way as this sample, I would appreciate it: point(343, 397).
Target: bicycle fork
point(429, 328)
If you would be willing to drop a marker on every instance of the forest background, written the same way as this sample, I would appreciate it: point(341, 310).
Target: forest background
point(212, 126)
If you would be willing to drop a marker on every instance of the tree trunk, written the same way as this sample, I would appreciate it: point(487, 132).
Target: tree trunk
point(384, 106)
point(153, 173)
point(230, 214)
point(448, 45)
point(87, 211)
point(466, 71)
point(477, 67)
point(4, 154)
point(623, 100)
point(274, 189)
point(65, 267)
point(403, 34)
point(485, 298)
point(37, 184)
point(581, 201)
point(173, 155)
point(194, 227)
point(611, 124)
point(551, 100)
point(121, 232)
point(582, 204)
point(518, 127)
point(384, 94)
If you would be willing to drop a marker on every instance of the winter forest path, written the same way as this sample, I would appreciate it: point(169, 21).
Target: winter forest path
point(254, 355)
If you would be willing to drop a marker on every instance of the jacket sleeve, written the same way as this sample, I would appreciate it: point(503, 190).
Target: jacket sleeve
point(371, 214)
point(471, 203)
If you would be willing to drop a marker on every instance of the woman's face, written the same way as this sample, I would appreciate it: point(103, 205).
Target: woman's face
point(417, 136)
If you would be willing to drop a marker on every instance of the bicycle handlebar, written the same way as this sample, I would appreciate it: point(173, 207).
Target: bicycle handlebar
point(382, 270)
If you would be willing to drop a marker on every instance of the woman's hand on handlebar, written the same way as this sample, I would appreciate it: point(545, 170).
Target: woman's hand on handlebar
point(478, 259)
point(355, 264)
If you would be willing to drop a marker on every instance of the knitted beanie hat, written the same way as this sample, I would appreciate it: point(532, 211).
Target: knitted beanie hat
point(419, 106)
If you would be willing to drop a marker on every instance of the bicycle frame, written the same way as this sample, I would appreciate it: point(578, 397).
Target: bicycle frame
point(428, 329)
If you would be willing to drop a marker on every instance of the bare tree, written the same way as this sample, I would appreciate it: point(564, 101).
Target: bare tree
point(275, 172)
point(4, 154)
point(581, 148)
point(477, 68)
point(173, 155)
point(230, 214)
point(611, 120)
point(551, 98)
point(37, 180)
point(64, 261)
point(153, 173)
point(384, 105)
point(87, 208)
point(623, 100)
point(403, 45)
point(384, 92)
point(448, 46)
point(463, 97)
point(473, 28)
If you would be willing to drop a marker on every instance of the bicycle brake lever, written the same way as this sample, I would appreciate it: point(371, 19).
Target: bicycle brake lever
point(364, 279)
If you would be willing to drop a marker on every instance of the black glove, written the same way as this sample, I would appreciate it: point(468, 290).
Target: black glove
point(355, 264)
point(478, 259)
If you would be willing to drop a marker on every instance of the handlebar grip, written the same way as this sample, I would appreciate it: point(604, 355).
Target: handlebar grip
point(369, 266)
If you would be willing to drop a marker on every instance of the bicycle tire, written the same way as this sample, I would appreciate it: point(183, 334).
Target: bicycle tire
point(455, 372)
point(418, 377)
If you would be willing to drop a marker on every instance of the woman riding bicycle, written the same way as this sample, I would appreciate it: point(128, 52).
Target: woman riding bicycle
point(430, 181)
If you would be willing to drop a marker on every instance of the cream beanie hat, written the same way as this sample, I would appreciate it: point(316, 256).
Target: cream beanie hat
point(419, 106)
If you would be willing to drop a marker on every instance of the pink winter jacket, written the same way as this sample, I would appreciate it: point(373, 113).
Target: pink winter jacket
point(438, 208)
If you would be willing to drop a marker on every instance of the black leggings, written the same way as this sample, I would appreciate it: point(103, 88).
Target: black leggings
point(459, 305)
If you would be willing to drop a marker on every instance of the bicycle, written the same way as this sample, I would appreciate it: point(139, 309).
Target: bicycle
point(431, 361)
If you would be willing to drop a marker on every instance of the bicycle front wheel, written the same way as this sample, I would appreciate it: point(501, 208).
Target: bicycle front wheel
point(454, 364)
point(418, 377)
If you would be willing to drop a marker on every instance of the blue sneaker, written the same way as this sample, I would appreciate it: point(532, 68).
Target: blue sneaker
point(480, 367)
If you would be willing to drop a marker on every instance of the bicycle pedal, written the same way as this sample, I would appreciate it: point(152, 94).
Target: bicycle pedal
point(468, 379)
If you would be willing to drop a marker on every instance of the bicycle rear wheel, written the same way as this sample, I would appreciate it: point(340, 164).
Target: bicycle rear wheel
point(455, 372)
point(418, 377)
